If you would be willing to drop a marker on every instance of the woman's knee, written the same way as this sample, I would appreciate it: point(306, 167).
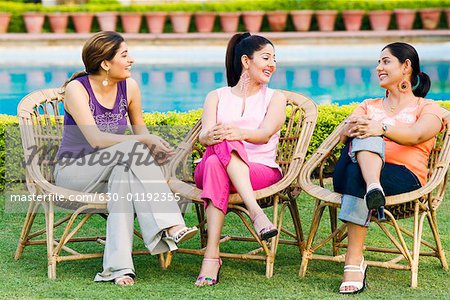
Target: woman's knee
point(212, 162)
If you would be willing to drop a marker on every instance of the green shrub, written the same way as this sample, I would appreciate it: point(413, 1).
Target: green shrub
point(173, 127)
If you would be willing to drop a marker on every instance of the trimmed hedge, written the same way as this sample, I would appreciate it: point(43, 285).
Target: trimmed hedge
point(17, 8)
point(174, 126)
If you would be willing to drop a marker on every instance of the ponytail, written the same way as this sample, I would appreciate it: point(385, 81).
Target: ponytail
point(421, 84)
point(73, 77)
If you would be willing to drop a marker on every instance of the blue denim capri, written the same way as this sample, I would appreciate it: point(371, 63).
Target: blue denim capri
point(348, 179)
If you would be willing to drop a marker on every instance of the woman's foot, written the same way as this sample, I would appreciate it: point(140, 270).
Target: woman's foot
point(209, 273)
point(124, 280)
point(354, 281)
point(263, 226)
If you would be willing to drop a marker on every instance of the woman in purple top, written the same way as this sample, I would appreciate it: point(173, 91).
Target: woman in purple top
point(96, 156)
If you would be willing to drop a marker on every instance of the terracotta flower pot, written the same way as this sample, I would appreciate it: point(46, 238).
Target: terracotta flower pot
point(4, 21)
point(277, 20)
point(204, 21)
point(155, 21)
point(405, 18)
point(34, 21)
point(301, 19)
point(131, 21)
point(430, 17)
point(229, 21)
point(379, 19)
point(447, 12)
point(82, 21)
point(180, 21)
point(326, 19)
point(253, 20)
point(353, 19)
point(58, 22)
point(107, 20)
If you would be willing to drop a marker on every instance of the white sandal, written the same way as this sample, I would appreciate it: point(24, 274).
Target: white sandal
point(178, 236)
point(359, 285)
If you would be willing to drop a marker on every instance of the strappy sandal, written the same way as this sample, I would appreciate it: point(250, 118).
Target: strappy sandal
point(181, 235)
point(120, 280)
point(359, 285)
point(267, 232)
point(210, 281)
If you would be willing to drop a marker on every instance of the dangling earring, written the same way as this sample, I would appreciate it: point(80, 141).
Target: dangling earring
point(105, 81)
point(244, 82)
point(404, 86)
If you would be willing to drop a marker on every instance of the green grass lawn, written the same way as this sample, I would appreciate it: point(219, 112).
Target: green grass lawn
point(27, 278)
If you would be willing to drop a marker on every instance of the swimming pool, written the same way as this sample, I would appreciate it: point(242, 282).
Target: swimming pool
point(170, 88)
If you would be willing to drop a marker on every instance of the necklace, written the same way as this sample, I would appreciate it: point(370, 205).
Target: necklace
point(390, 107)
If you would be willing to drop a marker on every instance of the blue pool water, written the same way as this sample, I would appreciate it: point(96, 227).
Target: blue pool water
point(168, 88)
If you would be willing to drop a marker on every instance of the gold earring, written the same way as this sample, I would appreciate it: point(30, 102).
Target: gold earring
point(404, 86)
point(105, 81)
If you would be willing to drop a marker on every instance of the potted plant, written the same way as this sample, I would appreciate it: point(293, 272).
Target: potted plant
point(430, 17)
point(180, 21)
point(229, 21)
point(58, 21)
point(379, 19)
point(404, 18)
point(326, 19)
point(277, 20)
point(353, 19)
point(107, 20)
point(447, 12)
point(4, 21)
point(253, 20)
point(131, 21)
point(34, 21)
point(155, 21)
point(204, 21)
point(301, 19)
point(82, 20)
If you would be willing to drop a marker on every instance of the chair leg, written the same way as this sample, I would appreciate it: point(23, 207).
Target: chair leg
point(199, 208)
point(293, 208)
point(165, 262)
point(418, 227)
point(317, 216)
point(333, 224)
point(28, 223)
point(437, 237)
point(49, 223)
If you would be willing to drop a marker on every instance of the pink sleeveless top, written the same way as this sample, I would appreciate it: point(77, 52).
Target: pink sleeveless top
point(229, 110)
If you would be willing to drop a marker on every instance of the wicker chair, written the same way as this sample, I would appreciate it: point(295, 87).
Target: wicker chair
point(41, 127)
point(418, 204)
point(294, 140)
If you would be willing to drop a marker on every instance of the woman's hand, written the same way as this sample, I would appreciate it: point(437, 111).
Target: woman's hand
point(211, 136)
point(363, 127)
point(159, 148)
point(230, 132)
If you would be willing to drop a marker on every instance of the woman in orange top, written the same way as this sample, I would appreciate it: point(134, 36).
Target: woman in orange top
point(388, 143)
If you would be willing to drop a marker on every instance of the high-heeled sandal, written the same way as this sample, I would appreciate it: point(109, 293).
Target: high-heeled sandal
point(267, 232)
point(210, 281)
point(181, 235)
point(359, 285)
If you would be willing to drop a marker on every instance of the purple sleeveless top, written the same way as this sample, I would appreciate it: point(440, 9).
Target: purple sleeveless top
point(74, 144)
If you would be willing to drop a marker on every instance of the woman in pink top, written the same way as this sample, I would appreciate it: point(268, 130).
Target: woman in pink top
point(240, 129)
point(388, 141)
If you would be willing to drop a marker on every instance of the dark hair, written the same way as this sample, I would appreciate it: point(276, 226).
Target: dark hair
point(241, 44)
point(99, 47)
point(404, 51)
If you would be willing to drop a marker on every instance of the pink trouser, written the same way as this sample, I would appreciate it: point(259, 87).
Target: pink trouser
point(211, 173)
